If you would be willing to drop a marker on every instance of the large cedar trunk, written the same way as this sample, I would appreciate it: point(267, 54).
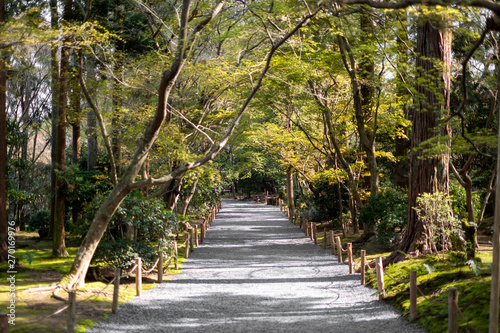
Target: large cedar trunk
point(428, 174)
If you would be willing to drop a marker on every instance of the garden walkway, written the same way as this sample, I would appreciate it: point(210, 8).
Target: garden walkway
point(257, 272)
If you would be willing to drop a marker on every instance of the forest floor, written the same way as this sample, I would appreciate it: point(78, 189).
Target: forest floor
point(36, 279)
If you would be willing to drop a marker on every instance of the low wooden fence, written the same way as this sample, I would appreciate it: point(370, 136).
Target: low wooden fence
point(310, 229)
point(195, 236)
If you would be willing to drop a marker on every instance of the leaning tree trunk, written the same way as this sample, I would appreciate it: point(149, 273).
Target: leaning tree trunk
point(189, 196)
point(432, 103)
point(123, 187)
point(128, 182)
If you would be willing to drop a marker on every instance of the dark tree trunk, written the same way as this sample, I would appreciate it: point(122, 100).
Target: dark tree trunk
point(76, 119)
point(58, 243)
point(92, 141)
point(3, 150)
point(428, 174)
point(401, 138)
point(54, 63)
point(189, 197)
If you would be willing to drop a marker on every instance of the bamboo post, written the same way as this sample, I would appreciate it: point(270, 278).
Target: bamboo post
point(4, 322)
point(349, 256)
point(452, 310)
point(160, 266)
point(176, 256)
point(380, 278)
point(339, 248)
point(308, 229)
point(413, 295)
point(324, 238)
point(191, 240)
point(71, 311)
point(363, 267)
point(116, 289)
point(267, 197)
point(138, 277)
point(332, 241)
point(196, 240)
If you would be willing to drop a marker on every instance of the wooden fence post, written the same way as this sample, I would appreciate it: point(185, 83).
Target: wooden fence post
point(176, 256)
point(363, 265)
point(202, 233)
point(413, 295)
point(186, 253)
point(160, 266)
point(380, 278)
point(332, 241)
point(452, 310)
point(71, 311)
point(314, 232)
point(138, 277)
point(324, 238)
point(191, 240)
point(196, 240)
point(116, 289)
point(349, 256)
point(4, 322)
point(339, 248)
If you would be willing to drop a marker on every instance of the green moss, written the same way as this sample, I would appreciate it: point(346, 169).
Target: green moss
point(434, 277)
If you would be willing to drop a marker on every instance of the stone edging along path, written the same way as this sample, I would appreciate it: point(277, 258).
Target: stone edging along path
point(257, 272)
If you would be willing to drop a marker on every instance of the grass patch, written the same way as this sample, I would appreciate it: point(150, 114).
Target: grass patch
point(40, 271)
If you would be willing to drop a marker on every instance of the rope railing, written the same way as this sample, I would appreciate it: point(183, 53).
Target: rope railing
point(191, 241)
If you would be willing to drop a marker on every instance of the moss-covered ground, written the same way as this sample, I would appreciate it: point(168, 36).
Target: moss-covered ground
point(434, 276)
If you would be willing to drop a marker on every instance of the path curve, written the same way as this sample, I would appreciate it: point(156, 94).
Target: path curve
point(257, 272)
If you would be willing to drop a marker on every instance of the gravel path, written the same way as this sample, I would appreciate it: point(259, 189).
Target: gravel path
point(257, 272)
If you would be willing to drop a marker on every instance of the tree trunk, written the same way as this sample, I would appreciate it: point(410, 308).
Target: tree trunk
point(3, 150)
point(54, 63)
point(92, 147)
point(58, 242)
point(128, 181)
point(76, 119)
point(401, 137)
point(428, 174)
point(189, 197)
point(289, 190)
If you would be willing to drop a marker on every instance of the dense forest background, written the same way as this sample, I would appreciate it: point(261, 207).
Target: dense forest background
point(123, 119)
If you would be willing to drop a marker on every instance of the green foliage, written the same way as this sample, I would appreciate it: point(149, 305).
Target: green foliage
point(387, 210)
point(324, 202)
point(40, 221)
point(150, 227)
point(122, 253)
point(435, 212)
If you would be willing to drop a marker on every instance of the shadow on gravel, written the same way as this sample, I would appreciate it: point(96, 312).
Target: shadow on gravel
point(256, 272)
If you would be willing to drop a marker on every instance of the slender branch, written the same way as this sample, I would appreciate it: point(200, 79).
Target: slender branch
point(216, 148)
point(100, 119)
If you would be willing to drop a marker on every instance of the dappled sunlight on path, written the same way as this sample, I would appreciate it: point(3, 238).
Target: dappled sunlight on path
point(257, 272)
